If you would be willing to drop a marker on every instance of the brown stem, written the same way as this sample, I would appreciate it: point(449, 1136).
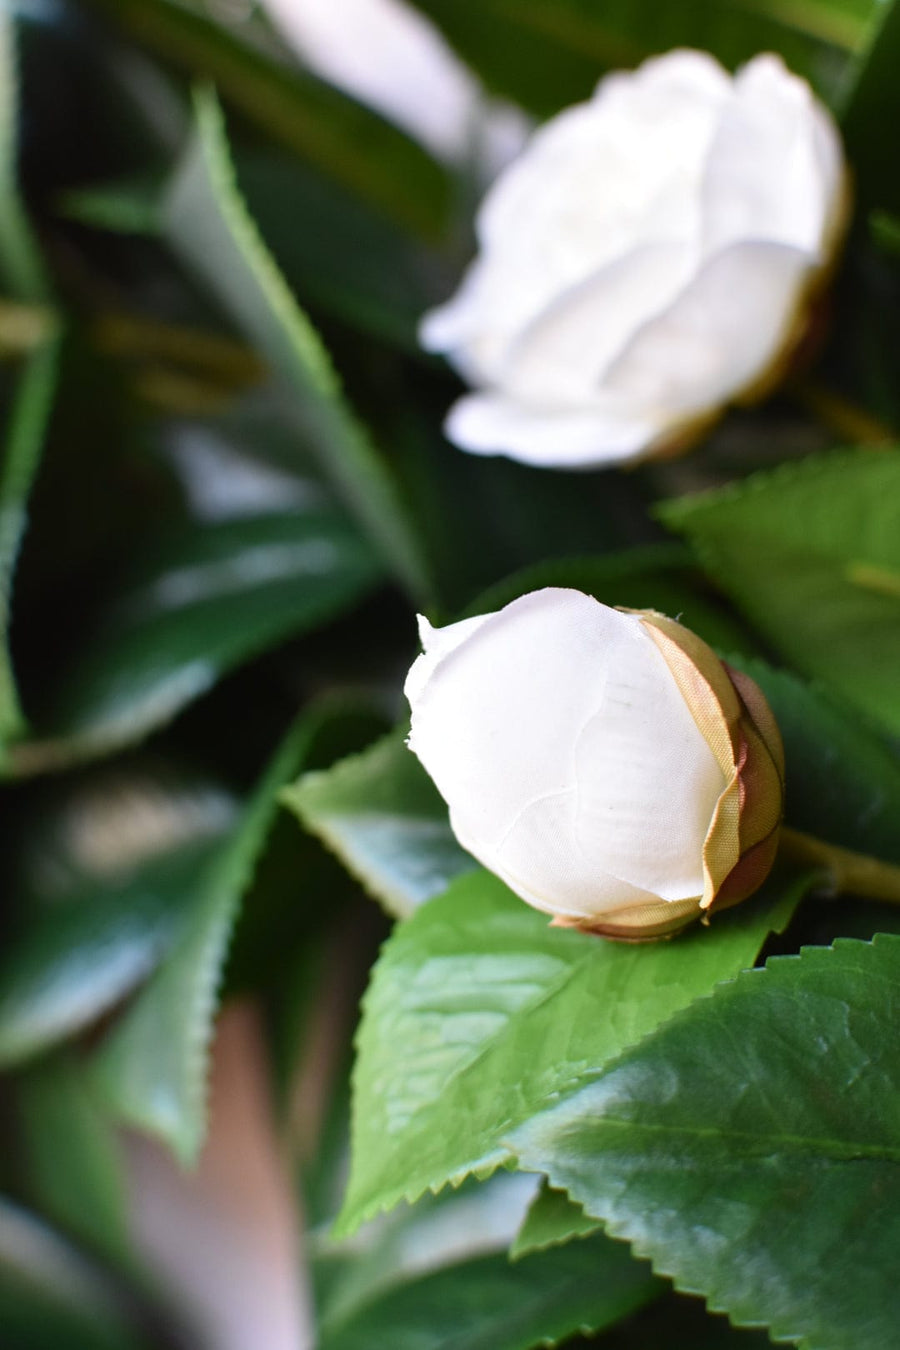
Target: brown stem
point(844, 870)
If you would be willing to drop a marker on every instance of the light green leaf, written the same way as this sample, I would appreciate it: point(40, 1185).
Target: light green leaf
point(831, 526)
point(152, 1069)
point(216, 594)
point(751, 1147)
point(208, 225)
point(384, 818)
point(480, 1016)
point(547, 53)
point(552, 1220)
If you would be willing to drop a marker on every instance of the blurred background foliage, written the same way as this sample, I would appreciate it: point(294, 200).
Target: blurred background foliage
point(223, 495)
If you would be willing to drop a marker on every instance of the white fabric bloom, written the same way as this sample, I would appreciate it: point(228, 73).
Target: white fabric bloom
point(387, 55)
point(649, 258)
point(603, 763)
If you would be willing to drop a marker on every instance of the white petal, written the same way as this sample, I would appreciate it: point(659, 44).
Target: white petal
point(386, 54)
point(774, 168)
point(719, 336)
point(437, 645)
point(530, 727)
point(553, 437)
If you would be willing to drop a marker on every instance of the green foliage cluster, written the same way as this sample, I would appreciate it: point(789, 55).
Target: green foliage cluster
point(223, 496)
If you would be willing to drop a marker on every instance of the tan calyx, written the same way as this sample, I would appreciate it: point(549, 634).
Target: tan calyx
point(737, 725)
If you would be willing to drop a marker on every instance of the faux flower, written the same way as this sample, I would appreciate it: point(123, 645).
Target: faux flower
point(605, 764)
point(652, 256)
point(386, 54)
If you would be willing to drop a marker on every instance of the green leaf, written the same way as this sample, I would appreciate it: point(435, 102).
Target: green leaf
point(24, 440)
point(546, 53)
point(490, 1303)
point(751, 1147)
point(552, 1220)
point(208, 225)
point(152, 1069)
point(73, 1159)
point(51, 1295)
point(336, 134)
point(384, 818)
point(829, 525)
point(843, 784)
point(480, 1015)
point(21, 268)
point(217, 594)
point(870, 103)
point(449, 1253)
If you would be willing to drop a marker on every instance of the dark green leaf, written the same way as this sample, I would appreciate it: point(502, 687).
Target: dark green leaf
point(153, 1066)
point(811, 554)
point(209, 226)
point(843, 784)
point(480, 1015)
point(870, 103)
point(338, 135)
point(216, 595)
point(116, 864)
point(21, 268)
point(751, 1147)
point(547, 53)
point(384, 818)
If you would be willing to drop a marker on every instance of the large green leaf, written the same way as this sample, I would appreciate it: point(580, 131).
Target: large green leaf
point(114, 866)
point(384, 818)
point(843, 783)
point(751, 1147)
point(811, 553)
point(480, 1016)
point(552, 1219)
point(546, 53)
point(152, 1068)
point(449, 1252)
point(338, 135)
point(208, 225)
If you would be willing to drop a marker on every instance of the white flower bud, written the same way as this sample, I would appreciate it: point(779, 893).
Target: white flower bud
point(648, 259)
point(606, 765)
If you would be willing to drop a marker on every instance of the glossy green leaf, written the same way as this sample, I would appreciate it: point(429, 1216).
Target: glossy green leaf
point(552, 1219)
point(843, 783)
point(449, 1253)
point(208, 225)
point(152, 1068)
point(811, 554)
point(491, 1303)
point(218, 594)
point(547, 53)
point(338, 135)
point(480, 1016)
point(384, 818)
point(751, 1147)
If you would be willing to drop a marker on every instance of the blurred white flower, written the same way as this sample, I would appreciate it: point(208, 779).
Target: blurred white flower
point(606, 765)
point(387, 55)
point(649, 258)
